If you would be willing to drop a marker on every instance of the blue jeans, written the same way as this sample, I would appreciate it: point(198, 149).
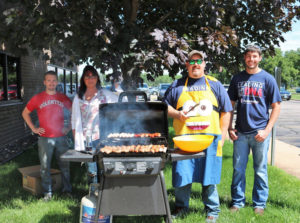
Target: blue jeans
point(210, 198)
point(58, 146)
point(92, 167)
point(241, 151)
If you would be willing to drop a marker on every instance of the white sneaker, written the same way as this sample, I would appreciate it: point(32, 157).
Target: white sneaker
point(47, 197)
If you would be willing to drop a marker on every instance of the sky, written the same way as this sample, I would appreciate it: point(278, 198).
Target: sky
point(292, 38)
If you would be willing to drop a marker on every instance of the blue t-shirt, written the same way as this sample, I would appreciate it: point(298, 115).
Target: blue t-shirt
point(175, 90)
point(254, 94)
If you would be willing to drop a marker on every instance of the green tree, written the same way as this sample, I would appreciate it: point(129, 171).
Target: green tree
point(223, 75)
point(289, 62)
point(292, 69)
point(131, 36)
point(160, 79)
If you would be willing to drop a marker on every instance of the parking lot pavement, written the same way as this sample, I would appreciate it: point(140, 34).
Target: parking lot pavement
point(288, 123)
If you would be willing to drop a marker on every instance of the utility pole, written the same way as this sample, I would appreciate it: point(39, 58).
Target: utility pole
point(277, 72)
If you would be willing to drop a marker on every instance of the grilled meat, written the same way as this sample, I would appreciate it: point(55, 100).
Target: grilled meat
point(132, 135)
point(134, 148)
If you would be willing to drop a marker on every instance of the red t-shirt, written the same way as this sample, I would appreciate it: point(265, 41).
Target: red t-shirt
point(50, 111)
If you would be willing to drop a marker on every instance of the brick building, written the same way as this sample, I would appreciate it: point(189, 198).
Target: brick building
point(20, 79)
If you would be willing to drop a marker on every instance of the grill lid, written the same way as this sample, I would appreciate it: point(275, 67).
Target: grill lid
point(133, 117)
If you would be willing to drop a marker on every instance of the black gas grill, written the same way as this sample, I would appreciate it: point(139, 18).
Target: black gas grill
point(132, 182)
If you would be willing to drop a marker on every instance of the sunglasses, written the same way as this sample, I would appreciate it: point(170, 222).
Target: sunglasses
point(192, 62)
point(90, 77)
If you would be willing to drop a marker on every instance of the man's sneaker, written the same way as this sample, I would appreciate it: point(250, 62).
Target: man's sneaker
point(234, 209)
point(259, 211)
point(47, 197)
point(211, 219)
point(179, 212)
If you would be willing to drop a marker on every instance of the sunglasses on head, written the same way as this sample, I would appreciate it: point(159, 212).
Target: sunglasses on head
point(198, 61)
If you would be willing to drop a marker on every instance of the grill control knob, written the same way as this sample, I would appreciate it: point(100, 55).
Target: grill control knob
point(150, 167)
point(130, 166)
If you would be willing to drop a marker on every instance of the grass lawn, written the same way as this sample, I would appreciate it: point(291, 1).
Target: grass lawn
point(19, 206)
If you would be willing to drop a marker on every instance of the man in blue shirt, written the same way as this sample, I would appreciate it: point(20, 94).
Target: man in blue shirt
point(211, 117)
point(255, 91)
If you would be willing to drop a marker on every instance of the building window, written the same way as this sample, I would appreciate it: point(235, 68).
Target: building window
point(67, 80)
point(10, 78)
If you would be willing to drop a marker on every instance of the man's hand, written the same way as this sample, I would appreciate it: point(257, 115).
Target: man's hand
point(224, 124)
point(232, 134)
point(27, 119)
point(39, 131)
point(261, 135)
point(182, 116)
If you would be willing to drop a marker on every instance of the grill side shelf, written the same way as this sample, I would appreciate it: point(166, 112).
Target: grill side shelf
point(76, 156)
point(177, 154)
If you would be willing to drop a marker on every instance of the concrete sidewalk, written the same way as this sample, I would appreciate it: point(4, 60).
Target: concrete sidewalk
point(286, 157)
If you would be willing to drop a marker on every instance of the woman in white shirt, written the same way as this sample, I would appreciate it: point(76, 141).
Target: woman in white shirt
point(85, 115)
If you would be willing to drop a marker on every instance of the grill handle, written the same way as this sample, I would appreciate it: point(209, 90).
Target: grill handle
point(133, 96)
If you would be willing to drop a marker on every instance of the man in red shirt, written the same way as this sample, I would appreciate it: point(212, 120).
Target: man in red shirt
point(50, 106)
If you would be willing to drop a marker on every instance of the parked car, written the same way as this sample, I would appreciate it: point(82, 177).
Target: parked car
point(108, 87)
point(285, 95)
point(298, 90)
point(226, 86)
point(144, 87)
point(11, 91)
point(153, 91)
point(162, 90)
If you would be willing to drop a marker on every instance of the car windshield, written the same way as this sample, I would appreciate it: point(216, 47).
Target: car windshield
point(144, 85)
point(164, 86)
point(12, 88)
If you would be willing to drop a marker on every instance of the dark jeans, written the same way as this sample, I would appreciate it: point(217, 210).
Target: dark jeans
point(58, 146)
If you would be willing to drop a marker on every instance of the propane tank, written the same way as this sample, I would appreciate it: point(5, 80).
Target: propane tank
point(88, 207)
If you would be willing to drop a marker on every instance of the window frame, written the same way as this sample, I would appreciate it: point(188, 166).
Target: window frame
point(4, 56)
point(64, 82)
